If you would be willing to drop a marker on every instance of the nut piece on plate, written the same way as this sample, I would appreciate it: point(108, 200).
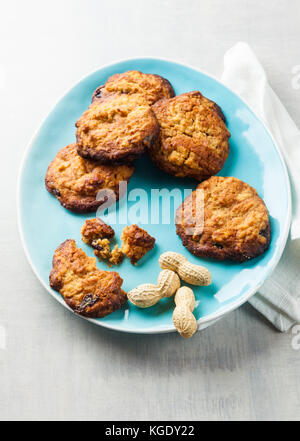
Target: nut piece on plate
point(193, 139)
point(116, 129)
point(188, 272)
point(183, 318)
point(76, 181)
point(86, 289)
point(148, 294)
point(136, 242)
point(151, 86)
point(236, 221)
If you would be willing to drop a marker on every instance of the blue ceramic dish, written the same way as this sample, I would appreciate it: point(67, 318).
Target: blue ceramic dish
point(254, 158)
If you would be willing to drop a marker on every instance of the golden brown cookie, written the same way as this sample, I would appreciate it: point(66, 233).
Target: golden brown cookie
point(116, 129)
point(136, 242)
point(236, 221)
point(76, 181)
point(151, 86)
point(193, 140)
point(85, 289)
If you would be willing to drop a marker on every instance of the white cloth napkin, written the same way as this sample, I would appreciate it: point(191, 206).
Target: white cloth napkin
point(279, 297)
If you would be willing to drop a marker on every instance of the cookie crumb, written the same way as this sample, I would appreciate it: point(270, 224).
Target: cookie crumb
point(97, 234)
point(102, 248)
point(117, 256)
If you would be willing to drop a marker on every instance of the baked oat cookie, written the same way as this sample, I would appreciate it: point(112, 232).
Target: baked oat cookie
point(136, 242)
point(76, 181)
point(193, 140)
point(116, 129)
point(236, 221)
point(151, 86)
point(85, 289)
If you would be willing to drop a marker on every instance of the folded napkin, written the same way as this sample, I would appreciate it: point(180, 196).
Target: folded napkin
point(279, 297)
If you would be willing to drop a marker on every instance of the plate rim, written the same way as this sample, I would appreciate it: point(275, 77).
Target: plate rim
point(203, 320)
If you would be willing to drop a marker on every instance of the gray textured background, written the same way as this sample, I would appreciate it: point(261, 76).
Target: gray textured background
point(56, 366)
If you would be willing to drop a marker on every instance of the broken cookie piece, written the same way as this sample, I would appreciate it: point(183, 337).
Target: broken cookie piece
point(102, 248)
point(97, 234)
point(88, 291)
point(94, 229)
point(136, 242)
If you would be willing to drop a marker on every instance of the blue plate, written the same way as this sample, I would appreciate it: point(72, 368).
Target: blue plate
point(254, 158)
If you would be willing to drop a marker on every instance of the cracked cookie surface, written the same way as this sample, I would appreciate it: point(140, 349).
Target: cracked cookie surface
point(236, 221)
point(116, 129)
point(193, 139)
point(75, 181)
point(150, 86)
point(86, 289)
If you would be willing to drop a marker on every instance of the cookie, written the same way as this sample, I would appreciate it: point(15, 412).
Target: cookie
point(193, 140)
point(236, 222)
point(88, 291)
point(76, 181)
point(151, 86)
point(116, 129)
point(136, 242)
